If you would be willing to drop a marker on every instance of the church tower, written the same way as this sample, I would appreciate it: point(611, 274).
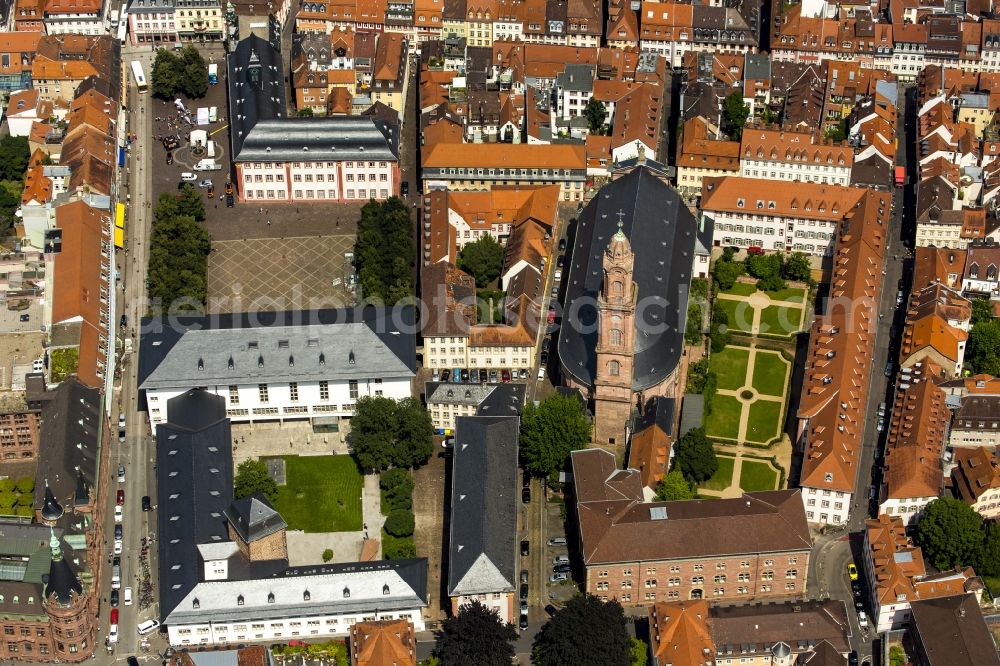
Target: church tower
point(615, 342)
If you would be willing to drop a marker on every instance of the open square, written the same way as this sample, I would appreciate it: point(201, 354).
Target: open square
point(757, 475)
point(279, 274)
point(764, 421)
point(322, 494)
point(770, 373)
point(730, 367)
point(724, 423)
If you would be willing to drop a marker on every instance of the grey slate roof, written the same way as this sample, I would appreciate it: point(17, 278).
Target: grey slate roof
point(577, 77)
point(692, 412)
point(662, 233)
point(194, 477)
point(660, 414)
point(482, 557)
point(260, 130)
point(254, 518)
point(308, 345)
point(69, 444)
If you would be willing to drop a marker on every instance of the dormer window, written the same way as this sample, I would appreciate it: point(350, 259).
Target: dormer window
point(385, 590)
point(201, 364)
point(740, 203)
point(322, 358)
point(347, 593)
point(829, 477)
point(260, 361)
point(350, 357)
point(291, 361)
point(232, 364)
point(195, 603)
point(270, 597)
point(239, 600)
point(305, 596)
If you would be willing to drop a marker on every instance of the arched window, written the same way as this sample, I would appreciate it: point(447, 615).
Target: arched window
point(616, 337)
point(614, 368)
point(617, 289)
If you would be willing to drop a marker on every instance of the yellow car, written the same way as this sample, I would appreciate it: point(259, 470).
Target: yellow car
point(852, 571)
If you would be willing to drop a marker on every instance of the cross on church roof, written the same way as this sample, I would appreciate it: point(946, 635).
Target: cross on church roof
point(620, 235)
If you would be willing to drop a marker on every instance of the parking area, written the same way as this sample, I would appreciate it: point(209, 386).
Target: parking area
point(18, 349)
point(279, 273)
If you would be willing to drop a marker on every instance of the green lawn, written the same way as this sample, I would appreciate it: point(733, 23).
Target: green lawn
point(724, 423)
point(757, 476)
point(730, 367)
point(323, 494)
point(793, 294)
point(740, 289)
point(779, 320)
point(723, 476)
point(770, 373)
point(764, 421)
point(740, 314)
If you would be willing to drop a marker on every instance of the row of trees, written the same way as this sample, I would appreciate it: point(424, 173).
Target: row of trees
point(386, 433)
point(951, 534)
point(184, 73)
point(396, 486)
point(178, 253)
point(585, 631)
point(384, 251)
point(14, 155)
point(771, 270)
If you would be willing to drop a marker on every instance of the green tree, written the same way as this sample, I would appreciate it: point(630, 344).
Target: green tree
point(639, 652)
point(414, 434)
point(697, 375)
point(14, 156)
point(165, 77)
point(719, 334)
point(252, 477)
point(327, 555)
point(386, 433)
point(763, 266)
point(7, 501)
point(982, 310)
point(771, 283)
point(476, 636)
point(178, 264)
point(699, 289)
point(673, 486)
point(950, 533)
point(191, 203)
point(399, 523)
point(392, 479)
point(24, 511)
point(550, 431)
point(585, 631)
point(983, 350)
point(25, 484)
point(193, 72)
point(896, 656)
point(596, 113)
point(839, 133)
point(7, 485)
point(305, 112)
point(988, 560)
point(696, 456)
point(692, 333)
point(373, 432)
point(482, 259)
point(384, 251)
point(8, 207)
point(734, 114)
point(398, 549)
point(726, 272)
point(797, 267)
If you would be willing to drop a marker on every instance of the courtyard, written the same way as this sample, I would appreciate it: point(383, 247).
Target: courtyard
point(779, 313)
point(740, 473)
point(320, 493)
point(751, 395)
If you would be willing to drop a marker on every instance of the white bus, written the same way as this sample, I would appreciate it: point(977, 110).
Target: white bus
point(140, 78)
point(122, 27)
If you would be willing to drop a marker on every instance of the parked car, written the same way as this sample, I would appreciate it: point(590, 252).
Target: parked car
point(114, 598)
point(555, 292)
point(188, 177)
point(562, 244)
point(25, 317)
point(546, 341)
point(483, 376)
point(524, 548)
point(560, 559)
point(121, 497)
point(204, 184)
point(170, 158)
point(558, 577)
point(561, 261)
point(127, 597)
point(562, 568)
point(404, 188)
point(524, 577)
point(526, 494)
point(123, 322)
point(119, 515)
point(544, 359)
point(121, 470)
point(147, 627)
point(558, 541)
point(523, 374)
point(505, 375)
point(229, 187)
point(524, 607)
point(852, 571)
point(113, 634)
point(551, 610)
point(523, 622)
point(211, 193)
point(524, 591)
point(890, 368)
point(118, 532)
point(435, 375)
point(114, 616)
point(230, 201)
point(493, 376)
point(465, 374)
point(558, 275)
point(146, 504)
point(862, 620)
point(456, 376)
point(118, 547)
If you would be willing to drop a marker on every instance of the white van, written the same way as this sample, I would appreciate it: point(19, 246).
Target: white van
point(116, 577)
point(127, 597)
point(207, 165)
point(147, 627)
point(113, 634)
point(213, 114)
point(188, 177)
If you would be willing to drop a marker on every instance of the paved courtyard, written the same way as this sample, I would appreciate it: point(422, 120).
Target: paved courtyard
point(279, 273)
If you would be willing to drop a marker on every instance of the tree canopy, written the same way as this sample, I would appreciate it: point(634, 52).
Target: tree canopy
point(982, 353)
point(252, 477)
point(725, 271)
point(386, 433)
point(982, 310)
point(178, 254)
point(695, 456)
point(734, 114)
point(482, 259)
point(14, 155)
point(384, 251)
point(550, 432)
point(585, 631)
point(596, 113)
point(718, 333)
point(797, 267)
point(673, 486)
point(950, 533)
point(475, 637)
point(184, 73)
